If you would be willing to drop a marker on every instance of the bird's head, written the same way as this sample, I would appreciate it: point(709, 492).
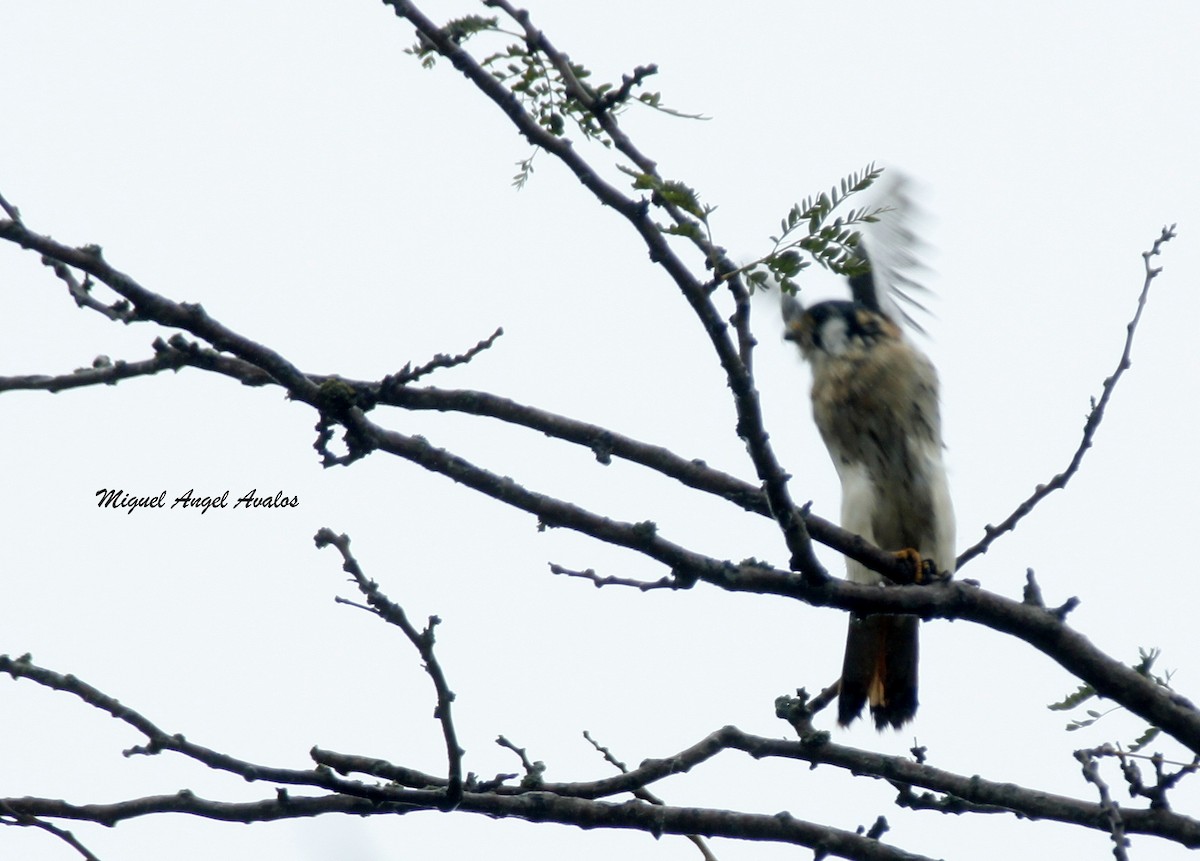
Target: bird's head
point(836, 328)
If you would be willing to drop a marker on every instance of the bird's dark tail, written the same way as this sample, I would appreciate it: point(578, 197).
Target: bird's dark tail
point(880, 669)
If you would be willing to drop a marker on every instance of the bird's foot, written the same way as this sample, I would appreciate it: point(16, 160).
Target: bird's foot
point(921, 570)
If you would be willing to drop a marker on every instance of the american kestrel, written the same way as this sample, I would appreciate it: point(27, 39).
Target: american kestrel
point(875, 401)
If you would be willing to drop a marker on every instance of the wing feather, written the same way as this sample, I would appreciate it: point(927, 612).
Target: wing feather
point(890, 247)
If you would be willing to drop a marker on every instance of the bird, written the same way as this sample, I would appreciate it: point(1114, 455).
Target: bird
point(875, 401)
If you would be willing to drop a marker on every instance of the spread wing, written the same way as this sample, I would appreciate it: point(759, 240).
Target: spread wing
point(890, 248)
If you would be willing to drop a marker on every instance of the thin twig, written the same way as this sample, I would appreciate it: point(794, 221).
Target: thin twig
point(159, 741)
point(150, 306)
point(103, 372)
point(81, 292)
point(622, 93)
point(394, 614)
point(408, 374)
point(1164, 781)
point(1095, 416)
point(10, 210)
point(1111, 811)
point(27, 821)
point(534, 771)
point(666, 582)
point(647, 795)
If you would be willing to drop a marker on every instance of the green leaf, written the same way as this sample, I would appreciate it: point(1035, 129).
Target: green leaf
point(683, 196)
point(1082, 694)
point(689, 229)
point(1151, 733)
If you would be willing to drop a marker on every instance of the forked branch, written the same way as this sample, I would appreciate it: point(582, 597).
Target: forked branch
point(394, 614)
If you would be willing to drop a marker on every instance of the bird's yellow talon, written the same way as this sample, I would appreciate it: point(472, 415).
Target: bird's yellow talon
point(917, 566)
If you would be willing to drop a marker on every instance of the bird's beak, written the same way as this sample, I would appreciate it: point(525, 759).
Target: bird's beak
point(796, 323)
point(793, 314)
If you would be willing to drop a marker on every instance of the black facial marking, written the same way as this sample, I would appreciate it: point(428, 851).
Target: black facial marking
point(860, 321)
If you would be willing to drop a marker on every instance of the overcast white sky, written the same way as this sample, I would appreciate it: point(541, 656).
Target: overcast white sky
point(287, 165)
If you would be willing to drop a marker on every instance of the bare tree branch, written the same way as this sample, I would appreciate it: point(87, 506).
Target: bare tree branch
point(103, 372)
point(11, 211)
point(361, 798)
point(346, 405)
point(666, 582)
point(576, 803)
point(336, 401)
point(148, 305)
point(394, 614)
point(408, 374)
point(1112, 813)
point(159, 741)
point(254, 364)
point(531, 806)
point(1095, 416)
point(8, 816)
point(647, 795)
point(749, 414)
